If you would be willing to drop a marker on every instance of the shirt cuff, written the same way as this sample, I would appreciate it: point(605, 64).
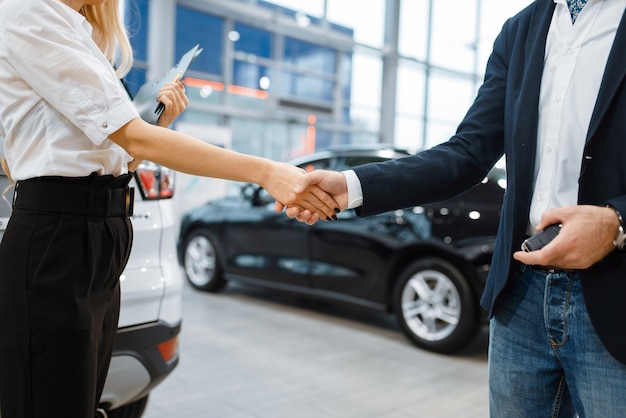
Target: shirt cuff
point(355, 193)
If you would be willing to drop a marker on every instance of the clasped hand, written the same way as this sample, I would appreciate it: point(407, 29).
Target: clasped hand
point(310, 187)
point(586, 235)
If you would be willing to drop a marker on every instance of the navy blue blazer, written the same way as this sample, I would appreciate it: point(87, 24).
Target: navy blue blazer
point(503, 120)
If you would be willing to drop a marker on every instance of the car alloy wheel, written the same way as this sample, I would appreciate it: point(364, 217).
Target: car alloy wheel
point(435, 306)
point(201, 262)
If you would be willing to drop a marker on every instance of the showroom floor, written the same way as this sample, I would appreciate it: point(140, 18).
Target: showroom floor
point(253, 353)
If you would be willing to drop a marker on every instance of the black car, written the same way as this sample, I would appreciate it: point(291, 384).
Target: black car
point(427, 264)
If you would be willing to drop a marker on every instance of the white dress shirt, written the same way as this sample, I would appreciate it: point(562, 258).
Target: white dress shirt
point(59, 97)
point(575, 58)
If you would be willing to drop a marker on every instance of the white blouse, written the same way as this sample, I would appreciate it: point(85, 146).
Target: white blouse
point(59, 97)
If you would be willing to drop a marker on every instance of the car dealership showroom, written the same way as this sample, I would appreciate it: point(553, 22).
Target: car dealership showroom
point(266, 317)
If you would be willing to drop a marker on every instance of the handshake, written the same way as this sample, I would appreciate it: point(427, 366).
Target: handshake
point(320, 194)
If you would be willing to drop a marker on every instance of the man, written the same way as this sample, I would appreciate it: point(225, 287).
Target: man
point(554, 103)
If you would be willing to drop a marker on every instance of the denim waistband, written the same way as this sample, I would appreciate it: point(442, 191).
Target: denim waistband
point(546, 269)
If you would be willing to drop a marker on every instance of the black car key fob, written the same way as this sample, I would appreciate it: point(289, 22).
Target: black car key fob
point(541, 239)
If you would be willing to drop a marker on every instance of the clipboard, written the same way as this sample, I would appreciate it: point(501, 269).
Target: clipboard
point(145, 101)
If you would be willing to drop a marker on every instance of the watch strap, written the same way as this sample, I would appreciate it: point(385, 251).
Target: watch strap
point(620, 238)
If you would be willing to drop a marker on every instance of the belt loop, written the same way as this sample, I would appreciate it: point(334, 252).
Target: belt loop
point(130, 201)
point(17, 184)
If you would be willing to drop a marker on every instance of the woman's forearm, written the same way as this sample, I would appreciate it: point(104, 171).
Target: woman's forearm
point(189, 155)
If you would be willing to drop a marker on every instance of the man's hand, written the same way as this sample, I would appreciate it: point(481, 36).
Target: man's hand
point(586, 237)
point(286, 187)
point(331, 182)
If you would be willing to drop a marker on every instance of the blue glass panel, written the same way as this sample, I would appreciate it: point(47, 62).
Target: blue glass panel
point(135, 79)
point(346, 76)
point(248, 75)
point(314, 20)
point(306, 87)
point(136, 19)
point(194, 27)
point(323, 139)
point(253, 41)
point(310, 56)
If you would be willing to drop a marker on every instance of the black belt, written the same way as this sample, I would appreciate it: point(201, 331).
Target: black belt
point(84, 196)
point(552, 270)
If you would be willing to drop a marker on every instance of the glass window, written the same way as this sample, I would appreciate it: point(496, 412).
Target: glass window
point(135, 18)
point(203, 91)
point(194, 27)
point(310, 7)
point(366, 80)
point(249, 75)
point(409, 133)
point(200, 118)
point(253, 41)
point(302, 86)
point(309, 56)
point(413, 36)
point(248, 136)
point(366, 92)
point(135, 79)
point(345, 76)
point(280, 141)
point(494, 14)
point(323, 139)
point(438, 132)
point(454, 34)
point(449, 99)
point(365, 18)
point(410, 89)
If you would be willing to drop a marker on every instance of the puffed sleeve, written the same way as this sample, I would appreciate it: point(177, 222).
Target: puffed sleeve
point(54, 54)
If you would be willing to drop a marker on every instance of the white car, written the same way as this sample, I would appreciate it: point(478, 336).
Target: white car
point(146, 350)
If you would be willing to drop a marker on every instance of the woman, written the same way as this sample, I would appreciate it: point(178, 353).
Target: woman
point(71, 137)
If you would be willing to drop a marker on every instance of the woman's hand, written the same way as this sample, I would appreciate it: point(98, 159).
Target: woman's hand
point(282, 186)
point(318, 181)
point(173, 97)
point(175, 101)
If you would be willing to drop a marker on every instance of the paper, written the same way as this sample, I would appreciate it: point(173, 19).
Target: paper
point(145, 101)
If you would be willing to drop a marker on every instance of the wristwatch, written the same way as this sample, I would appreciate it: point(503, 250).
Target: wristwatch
point(620, 237)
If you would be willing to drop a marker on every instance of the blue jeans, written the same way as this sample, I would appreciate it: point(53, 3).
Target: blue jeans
point(545, 359)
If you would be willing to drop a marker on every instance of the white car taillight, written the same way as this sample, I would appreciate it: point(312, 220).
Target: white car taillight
point(155, 181)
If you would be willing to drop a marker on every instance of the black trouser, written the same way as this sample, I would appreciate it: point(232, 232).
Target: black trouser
point(64, 249)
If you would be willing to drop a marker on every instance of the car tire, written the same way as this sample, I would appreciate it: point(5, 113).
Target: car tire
point(435, 307)
point(201, 262)
point(131, 410)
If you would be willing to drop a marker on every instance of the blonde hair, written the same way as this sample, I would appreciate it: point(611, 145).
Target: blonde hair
point(110, 34)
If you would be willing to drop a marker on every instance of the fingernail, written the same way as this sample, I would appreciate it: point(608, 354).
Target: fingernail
point(337, 210)
point(328, 219)
point(335, 217)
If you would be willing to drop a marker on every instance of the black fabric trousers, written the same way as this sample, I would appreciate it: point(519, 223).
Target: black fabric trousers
point(60, 298)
